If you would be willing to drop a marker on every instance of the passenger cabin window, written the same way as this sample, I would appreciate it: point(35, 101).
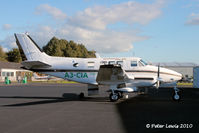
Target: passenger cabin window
point(104, 62)
point(91, 64)
point(111, 62)
point(120, 63)
point(133, 63)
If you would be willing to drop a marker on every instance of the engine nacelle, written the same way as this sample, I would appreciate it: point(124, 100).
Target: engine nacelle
point(127, 89)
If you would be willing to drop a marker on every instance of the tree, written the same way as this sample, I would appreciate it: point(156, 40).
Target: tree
point(50, 48)
point(61, 47)
point(14, 55)
point(2, 54)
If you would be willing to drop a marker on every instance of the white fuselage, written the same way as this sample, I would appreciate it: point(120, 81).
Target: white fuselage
point(85, 70)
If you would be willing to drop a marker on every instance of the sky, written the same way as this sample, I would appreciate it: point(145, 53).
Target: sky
point(155, 30)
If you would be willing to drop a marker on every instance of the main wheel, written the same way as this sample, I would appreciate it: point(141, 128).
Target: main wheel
point(114, 97)
point(81, 95)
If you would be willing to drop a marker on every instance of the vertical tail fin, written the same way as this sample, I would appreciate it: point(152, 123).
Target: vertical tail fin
point(28, 48)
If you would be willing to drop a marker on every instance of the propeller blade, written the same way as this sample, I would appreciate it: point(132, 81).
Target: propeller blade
point(158, 71)
point(158, 77)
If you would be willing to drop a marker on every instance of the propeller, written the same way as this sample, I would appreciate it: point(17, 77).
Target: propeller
point(158, 77)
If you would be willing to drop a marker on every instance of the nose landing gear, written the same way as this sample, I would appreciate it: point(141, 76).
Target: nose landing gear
point(176, 95)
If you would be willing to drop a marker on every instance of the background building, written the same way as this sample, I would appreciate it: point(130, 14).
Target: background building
point(13, 71)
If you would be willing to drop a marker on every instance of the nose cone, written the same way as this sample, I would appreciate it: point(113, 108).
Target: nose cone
point(173, 74)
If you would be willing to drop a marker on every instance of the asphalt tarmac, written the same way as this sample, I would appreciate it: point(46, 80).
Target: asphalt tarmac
point(41, 108)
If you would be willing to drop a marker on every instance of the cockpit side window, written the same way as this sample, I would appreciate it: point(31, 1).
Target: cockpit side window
point(143, 62)
point(140, 64)
point(133, 63)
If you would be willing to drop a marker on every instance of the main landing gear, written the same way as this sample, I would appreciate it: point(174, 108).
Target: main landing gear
point(115, 96)
point(81, 95)
point(176, 95)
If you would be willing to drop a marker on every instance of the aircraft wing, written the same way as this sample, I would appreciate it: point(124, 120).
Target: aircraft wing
point(112, 74)
point(34, 64)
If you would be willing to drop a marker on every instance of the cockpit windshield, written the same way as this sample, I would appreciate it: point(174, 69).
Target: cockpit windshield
point(143, 62)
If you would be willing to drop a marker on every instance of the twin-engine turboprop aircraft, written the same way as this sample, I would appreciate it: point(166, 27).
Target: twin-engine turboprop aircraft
point(123, 75)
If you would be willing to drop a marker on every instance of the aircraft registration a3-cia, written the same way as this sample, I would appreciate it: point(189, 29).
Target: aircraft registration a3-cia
point(123, 75)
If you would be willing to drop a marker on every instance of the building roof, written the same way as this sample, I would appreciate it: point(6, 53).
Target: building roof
point(176, 64)
point(10, 65)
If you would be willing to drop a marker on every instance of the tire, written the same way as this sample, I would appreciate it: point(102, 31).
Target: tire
point(114, 98)
point(81, 95)
point(176, 97)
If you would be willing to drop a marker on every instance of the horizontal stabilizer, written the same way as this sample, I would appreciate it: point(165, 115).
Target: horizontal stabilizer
point(35, 64)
